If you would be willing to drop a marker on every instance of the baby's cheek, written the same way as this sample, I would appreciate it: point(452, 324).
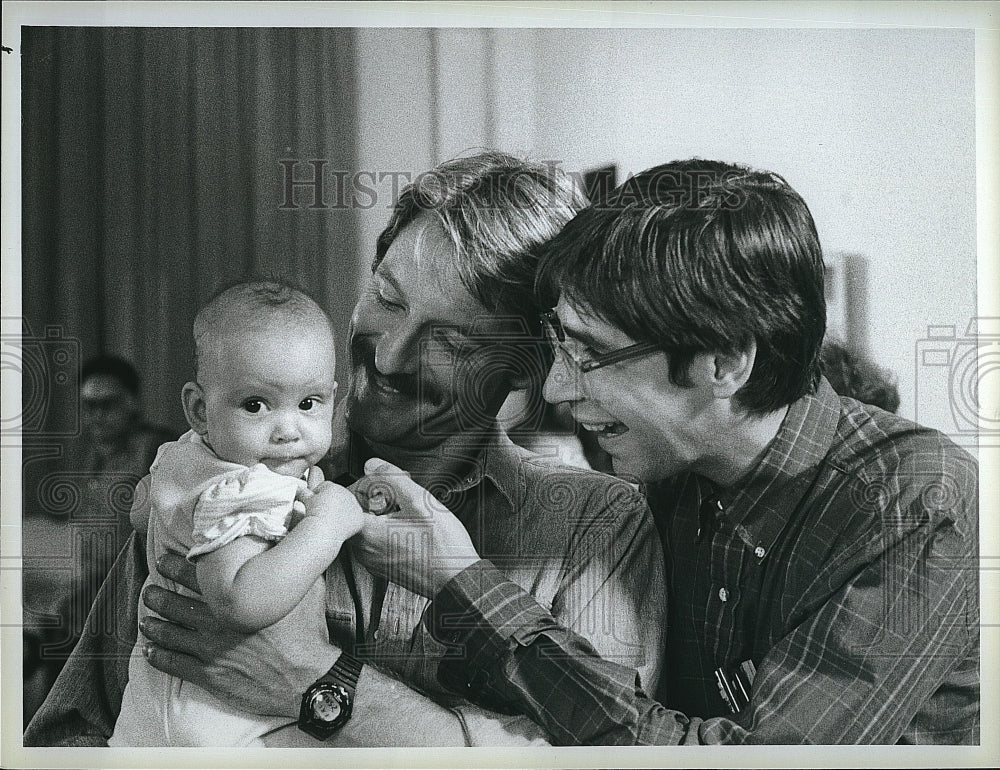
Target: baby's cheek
point(323, 434)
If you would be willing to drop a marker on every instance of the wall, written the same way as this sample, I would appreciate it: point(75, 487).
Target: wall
point(395, 123)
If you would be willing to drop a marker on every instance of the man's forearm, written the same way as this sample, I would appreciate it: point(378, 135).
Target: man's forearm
point(388, 713)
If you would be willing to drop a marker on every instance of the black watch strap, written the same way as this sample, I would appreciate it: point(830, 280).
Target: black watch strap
point(328, 702)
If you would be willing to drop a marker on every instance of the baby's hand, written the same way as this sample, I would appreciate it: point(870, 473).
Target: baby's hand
point(333, 508)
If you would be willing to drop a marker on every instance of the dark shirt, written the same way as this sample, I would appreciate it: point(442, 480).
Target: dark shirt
point(844, 567)
point(108, 476)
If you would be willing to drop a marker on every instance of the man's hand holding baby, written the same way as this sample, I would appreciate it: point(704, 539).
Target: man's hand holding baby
point(193, 644)
point(261, 673)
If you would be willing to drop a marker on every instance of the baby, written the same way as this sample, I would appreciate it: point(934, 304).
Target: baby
point(231, 494)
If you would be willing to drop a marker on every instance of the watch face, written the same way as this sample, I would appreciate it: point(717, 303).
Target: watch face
point(325, 706)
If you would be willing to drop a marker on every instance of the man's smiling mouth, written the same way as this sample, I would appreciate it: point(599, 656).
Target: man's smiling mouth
point(606, 429)
point(381, 384)
point(400, 386)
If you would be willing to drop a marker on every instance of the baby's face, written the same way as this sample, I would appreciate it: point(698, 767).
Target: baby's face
point(269, 398)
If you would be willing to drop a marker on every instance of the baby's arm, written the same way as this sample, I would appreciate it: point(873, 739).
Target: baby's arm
point(250, 584)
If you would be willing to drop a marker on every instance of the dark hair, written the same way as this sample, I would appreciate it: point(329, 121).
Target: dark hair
point(702, 256)
point(496, 210)
point(851, 374)
point(112, 366)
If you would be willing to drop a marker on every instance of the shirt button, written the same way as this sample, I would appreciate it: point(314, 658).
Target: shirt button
point(723, 594)
point(759, 552)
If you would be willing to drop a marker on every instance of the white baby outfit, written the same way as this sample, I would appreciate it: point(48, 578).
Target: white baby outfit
point(198, 503)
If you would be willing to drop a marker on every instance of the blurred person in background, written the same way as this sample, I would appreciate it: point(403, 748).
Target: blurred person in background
point(115, 437)
point(851, 374)
point(115, 449)
point(98, 473)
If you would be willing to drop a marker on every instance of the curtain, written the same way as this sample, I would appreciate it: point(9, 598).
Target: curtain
point(152, 172)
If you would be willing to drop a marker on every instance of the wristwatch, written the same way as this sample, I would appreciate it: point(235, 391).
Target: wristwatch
point(327, 704)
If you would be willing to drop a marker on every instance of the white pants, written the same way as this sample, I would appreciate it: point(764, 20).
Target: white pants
point(162, 710)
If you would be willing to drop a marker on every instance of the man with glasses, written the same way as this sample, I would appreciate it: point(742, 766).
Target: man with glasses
point(821, 554)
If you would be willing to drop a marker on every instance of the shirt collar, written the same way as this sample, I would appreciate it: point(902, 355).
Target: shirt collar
point(768, 496)
point(500, 463)
point(503, 465)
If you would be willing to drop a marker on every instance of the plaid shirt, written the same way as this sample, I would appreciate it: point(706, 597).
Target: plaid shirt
point(844, 567)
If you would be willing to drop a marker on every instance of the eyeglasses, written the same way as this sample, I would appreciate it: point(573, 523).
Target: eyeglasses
point(587, 363)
